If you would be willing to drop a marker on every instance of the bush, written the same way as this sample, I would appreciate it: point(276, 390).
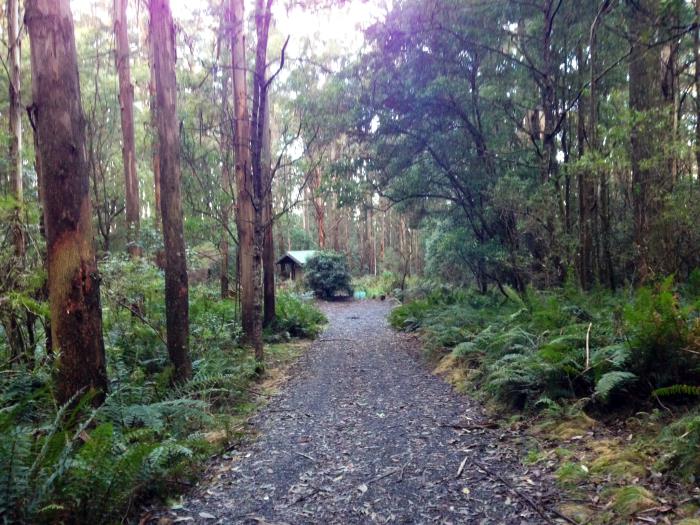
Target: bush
point(661, 332)
point(296, 317)
point(327, 274)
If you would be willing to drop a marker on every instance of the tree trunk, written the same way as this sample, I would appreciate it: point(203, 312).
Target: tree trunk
point(645, 103)
point(155, 145)
point(126, 106)
point(162, 32)
point(607, 272)
point(43, 293)
point(225, 180)
point(74, 283)
point(319, 211)
point(669, 88)
point(548, 93)
point(268, 241)
point(696, 35)
point(249, 254)
point(15, 111)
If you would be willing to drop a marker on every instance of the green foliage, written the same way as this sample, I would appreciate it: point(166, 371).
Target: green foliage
point(376, 286)
point(661, 330)
point(522, 350)
point(327, 273)
point(681, 443)
point(678, 390)
point(612, 382)
point(78, 464)
point(86, 465)
point(296, 317)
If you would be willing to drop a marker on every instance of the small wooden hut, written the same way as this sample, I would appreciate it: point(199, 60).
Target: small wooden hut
point(291, 264)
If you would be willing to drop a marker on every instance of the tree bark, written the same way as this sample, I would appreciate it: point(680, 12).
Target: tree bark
point(15, 111)
point(248, 249)
point(162, 32)
point(645, 104)
point(126, 107)
point(607, 270)
point(74, 283)
point(268, 216)
point(319, 209)
point(586, 197)
point(225, 178)
point(696, 36)
point(155, 145)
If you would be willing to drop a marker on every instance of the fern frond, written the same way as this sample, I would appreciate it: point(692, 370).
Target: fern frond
point(677, 390)
point(612, 381)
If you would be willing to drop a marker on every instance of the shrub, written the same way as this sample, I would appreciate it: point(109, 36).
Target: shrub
point(296, 317)
point(327, 273)
point(661, 331)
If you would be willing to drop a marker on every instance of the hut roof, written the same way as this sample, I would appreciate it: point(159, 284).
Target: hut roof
point(298, 256)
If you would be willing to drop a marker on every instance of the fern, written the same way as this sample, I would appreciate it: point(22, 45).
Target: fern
point(677, 390)
point(612, 382)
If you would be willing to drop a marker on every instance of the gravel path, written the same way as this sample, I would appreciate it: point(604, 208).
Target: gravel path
point(363, 433)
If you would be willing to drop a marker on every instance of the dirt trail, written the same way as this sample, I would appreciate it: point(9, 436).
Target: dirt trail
point(363, 433)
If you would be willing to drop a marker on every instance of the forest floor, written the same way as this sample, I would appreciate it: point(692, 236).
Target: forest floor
point(362, 432)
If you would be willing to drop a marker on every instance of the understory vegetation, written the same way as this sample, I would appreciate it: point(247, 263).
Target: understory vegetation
point(565, 355)
point(81, 464)
point(327, 274)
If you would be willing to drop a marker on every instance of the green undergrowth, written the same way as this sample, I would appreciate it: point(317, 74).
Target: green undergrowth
point(577, 361)
point(149, 439)
point(296, 317)
point(544, 348)
point(384, 284)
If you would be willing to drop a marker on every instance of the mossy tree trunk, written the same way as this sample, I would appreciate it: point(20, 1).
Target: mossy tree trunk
point(162, 32)
point(74, 283)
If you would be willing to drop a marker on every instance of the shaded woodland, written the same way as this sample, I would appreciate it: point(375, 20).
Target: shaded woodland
point(522, 176)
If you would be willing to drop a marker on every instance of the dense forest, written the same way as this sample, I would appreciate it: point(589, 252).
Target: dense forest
point(520, 177)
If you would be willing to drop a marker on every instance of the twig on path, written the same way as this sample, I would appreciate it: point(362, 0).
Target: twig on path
point(304, 455)
point(335, 339)
point(464, 426)
point(461, 467)
point(385, 475)
point(402, 472)
point(527, 499)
